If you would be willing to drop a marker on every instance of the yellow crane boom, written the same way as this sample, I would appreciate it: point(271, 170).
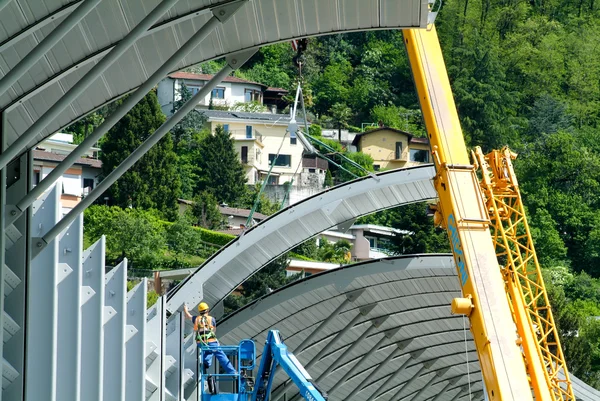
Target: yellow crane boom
point(518, 349)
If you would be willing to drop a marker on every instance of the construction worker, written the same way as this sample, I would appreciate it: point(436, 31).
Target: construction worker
point(205, 327)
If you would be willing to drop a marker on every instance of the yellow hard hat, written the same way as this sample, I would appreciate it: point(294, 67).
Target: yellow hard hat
point(202, 307)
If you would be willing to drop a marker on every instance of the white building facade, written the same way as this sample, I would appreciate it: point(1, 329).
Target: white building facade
point(230, 92)
point(78, 180)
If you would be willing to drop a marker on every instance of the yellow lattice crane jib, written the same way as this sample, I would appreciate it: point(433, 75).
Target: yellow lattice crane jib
point(524, 282)
point(515, 358)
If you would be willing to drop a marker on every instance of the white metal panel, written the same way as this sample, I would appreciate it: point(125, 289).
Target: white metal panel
point(259, 22)
point(92, 311)
point(42, 295)
point(136, 343)
point(114, 333)
point(69, 312)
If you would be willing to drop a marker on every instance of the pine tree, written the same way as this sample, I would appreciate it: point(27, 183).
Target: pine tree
point(152, 182)
point(222, 172)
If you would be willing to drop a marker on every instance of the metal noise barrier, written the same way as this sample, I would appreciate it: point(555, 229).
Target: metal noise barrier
point(88, 338)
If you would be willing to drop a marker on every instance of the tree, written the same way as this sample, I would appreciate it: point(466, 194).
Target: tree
point(205, 210)
point(130, 233)
point(83, 127)
point(153, 181)
point(192, 123)
point(334, 253)
point(222, 172)
point(340, 115)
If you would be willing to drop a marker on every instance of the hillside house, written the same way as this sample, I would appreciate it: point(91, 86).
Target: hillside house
point(231, 91)
point(391, 148)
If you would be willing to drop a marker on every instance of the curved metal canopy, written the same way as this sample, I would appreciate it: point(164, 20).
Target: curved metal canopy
point(247, 254)
point(375, 331)
point(99, 25)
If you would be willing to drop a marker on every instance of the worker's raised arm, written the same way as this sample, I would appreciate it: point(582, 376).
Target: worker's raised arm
point(187, 312)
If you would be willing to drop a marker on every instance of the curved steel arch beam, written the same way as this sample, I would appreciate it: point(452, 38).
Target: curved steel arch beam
point(97, 54)
point(247, 254)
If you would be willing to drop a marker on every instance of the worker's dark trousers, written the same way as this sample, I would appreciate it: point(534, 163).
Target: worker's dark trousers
point(223, 360)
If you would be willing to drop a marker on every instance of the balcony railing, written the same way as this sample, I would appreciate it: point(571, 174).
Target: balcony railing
point(241, 135)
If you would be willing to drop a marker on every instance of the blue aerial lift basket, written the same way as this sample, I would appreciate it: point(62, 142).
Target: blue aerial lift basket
point(241, 386)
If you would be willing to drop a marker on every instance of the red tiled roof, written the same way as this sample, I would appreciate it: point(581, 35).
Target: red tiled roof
point(207, 77)
point(271, 89)
point(424, 141)
point(53, 157)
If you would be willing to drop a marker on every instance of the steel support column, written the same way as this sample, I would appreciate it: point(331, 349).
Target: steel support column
point(234, 61)
point(2, 238)
point(220, 15)
point(45, 45)
point(15, 271)
point(29, 135)
point(42, 305)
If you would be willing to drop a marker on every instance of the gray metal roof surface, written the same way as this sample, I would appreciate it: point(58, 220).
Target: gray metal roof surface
point(238, 115)
point(248, 253)
point(344, 324)
point(25, 23)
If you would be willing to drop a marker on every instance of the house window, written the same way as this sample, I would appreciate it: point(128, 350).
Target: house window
point(226, 127)
point(251, 95)
point(248, 131)
point(376, 167)
point(273, 180)
point(372, 242)
point(282, 160)
point(36, 177)
point(244, 154)
point(88, 183)
point(398, 150)
point(193, 89)
point(312, 170)
point(218, 93)
point(419, 155)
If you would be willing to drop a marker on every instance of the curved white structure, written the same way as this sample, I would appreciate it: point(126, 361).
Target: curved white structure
point(48, 77)
point(245, 255)
point(374, 331)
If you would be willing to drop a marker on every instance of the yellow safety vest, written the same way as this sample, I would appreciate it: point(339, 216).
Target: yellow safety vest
point(204, 328)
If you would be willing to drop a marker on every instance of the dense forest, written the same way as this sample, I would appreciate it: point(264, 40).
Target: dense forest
point(524, 74)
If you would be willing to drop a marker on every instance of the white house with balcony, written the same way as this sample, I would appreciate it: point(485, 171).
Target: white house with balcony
point(258, 139)
point(78, 180)
point(231, 91)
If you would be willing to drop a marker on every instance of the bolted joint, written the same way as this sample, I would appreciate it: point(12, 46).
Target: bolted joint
point(462, 306)
point(223, 13)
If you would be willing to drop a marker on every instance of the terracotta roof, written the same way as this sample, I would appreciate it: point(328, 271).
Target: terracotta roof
point(424, 141)
point(53, 157)
point(271, 89)
point(207, 77)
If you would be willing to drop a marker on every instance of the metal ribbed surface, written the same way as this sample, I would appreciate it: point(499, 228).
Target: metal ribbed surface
point(405, 332)
point(244, 256)
point(25, 23)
